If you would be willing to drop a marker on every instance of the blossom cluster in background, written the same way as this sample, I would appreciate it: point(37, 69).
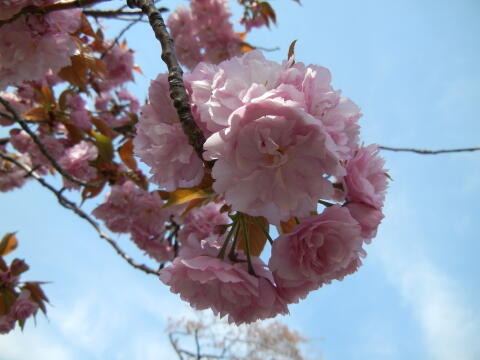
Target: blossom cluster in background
point(18, 300)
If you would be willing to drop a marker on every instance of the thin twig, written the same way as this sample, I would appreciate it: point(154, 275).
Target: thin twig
point(178, 92)
point(197, 344)
point(42, 147)
point(70, 205)
point(32, 9)
point(175, 346)
point(428, 152)
point(120, 34)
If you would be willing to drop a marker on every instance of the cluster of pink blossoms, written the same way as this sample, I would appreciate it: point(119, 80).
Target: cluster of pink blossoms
point(129, 209)
point(45, 38)
point(23, 306)
point(282, 140)
point(204, 33)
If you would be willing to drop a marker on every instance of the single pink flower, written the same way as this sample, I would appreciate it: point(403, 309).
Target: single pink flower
point(11, 175)
point(320, 249)
point(23, 307)
point(366, 179)
point(204, 33)
point(273, 160)
point(162, 144)
point(79, 115)
point(76, 162)
point(119, 65)
point(368, 217)
point(204, 221)
point(7, 323)
point(128, 208)
point(228, 289)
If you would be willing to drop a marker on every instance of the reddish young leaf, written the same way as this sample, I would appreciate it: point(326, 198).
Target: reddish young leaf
point(267, 13)
point(126, 154)
point(76, 73)
point(91, 192)
point(85, 27)
point(291, 51)
point(103, 127)
point(36, 114)
point(8, 244)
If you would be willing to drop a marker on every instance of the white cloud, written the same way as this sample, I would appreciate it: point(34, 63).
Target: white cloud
point(449, 324)
point(33, 344)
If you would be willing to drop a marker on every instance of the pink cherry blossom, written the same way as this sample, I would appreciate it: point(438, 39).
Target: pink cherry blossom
point(11, 175)
point(204, 221)
point(320, 249)
point(19, 104)
point(7, 323)
point(162, 144)
point(228, 289)
point(23, 307)
point(204, 33)
point(44, 38)
point(22, 142)
point(76, 160)
point(183, 30)
point(272, 160)
point(368, 217)
point(155, 247)
point(8, 8)
point(128, 208)
point(79, 115)
point(366, 179)
point(119, 64)
point(217, 91)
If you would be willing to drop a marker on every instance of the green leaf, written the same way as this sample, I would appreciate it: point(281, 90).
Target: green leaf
point(105, 147)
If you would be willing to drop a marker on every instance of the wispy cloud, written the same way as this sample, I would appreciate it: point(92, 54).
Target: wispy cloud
point(449, 323)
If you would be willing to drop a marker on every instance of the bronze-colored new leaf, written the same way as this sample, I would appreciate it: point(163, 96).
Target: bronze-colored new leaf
point(126, 154)
point(256, 228)
point(182, 196)
point(291, 51)
point(36, 114)
point(288, 226)
point(8, 244)
point(76, 73)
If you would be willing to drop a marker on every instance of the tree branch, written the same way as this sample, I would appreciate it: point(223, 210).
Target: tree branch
point(178, 92)
point(42, 148)
point(428, 152)
point(49, 8)
point(115, 13)
point(70, 205)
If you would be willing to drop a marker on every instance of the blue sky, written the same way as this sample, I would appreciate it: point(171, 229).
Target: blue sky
point(412, 66)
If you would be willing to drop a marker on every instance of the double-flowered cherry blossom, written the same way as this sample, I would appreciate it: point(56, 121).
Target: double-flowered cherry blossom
point(129, 209)
point(204, 33)
point(45, 38)
point(281, 140)
point(226, 288)
point(322, 248)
